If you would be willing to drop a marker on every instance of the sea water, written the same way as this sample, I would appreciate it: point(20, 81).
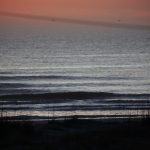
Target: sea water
point(74, 59)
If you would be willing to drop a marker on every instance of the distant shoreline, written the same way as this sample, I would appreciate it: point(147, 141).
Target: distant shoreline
point(73, 21)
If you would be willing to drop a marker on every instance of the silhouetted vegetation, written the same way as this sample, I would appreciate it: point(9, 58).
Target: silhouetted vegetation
point(74, 134)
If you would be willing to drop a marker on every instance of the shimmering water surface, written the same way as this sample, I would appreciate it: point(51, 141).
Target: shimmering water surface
point(75, 58)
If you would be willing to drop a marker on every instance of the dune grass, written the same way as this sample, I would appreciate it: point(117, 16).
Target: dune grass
point(75, 134)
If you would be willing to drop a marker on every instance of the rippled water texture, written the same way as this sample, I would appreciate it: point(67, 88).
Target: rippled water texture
point(63, 59)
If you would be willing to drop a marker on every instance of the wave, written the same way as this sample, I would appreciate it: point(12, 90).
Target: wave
point(72, 95)
point(39, 118)
point(30, 77)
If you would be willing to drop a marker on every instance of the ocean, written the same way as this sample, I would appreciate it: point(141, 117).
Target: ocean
point(62, 70)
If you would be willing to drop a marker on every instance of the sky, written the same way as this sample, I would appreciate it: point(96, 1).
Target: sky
point(129, 11)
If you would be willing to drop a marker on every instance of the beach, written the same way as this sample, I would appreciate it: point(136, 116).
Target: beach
point(74, 87)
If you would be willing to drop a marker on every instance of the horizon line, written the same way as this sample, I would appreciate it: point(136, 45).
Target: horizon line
point(73, 21)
